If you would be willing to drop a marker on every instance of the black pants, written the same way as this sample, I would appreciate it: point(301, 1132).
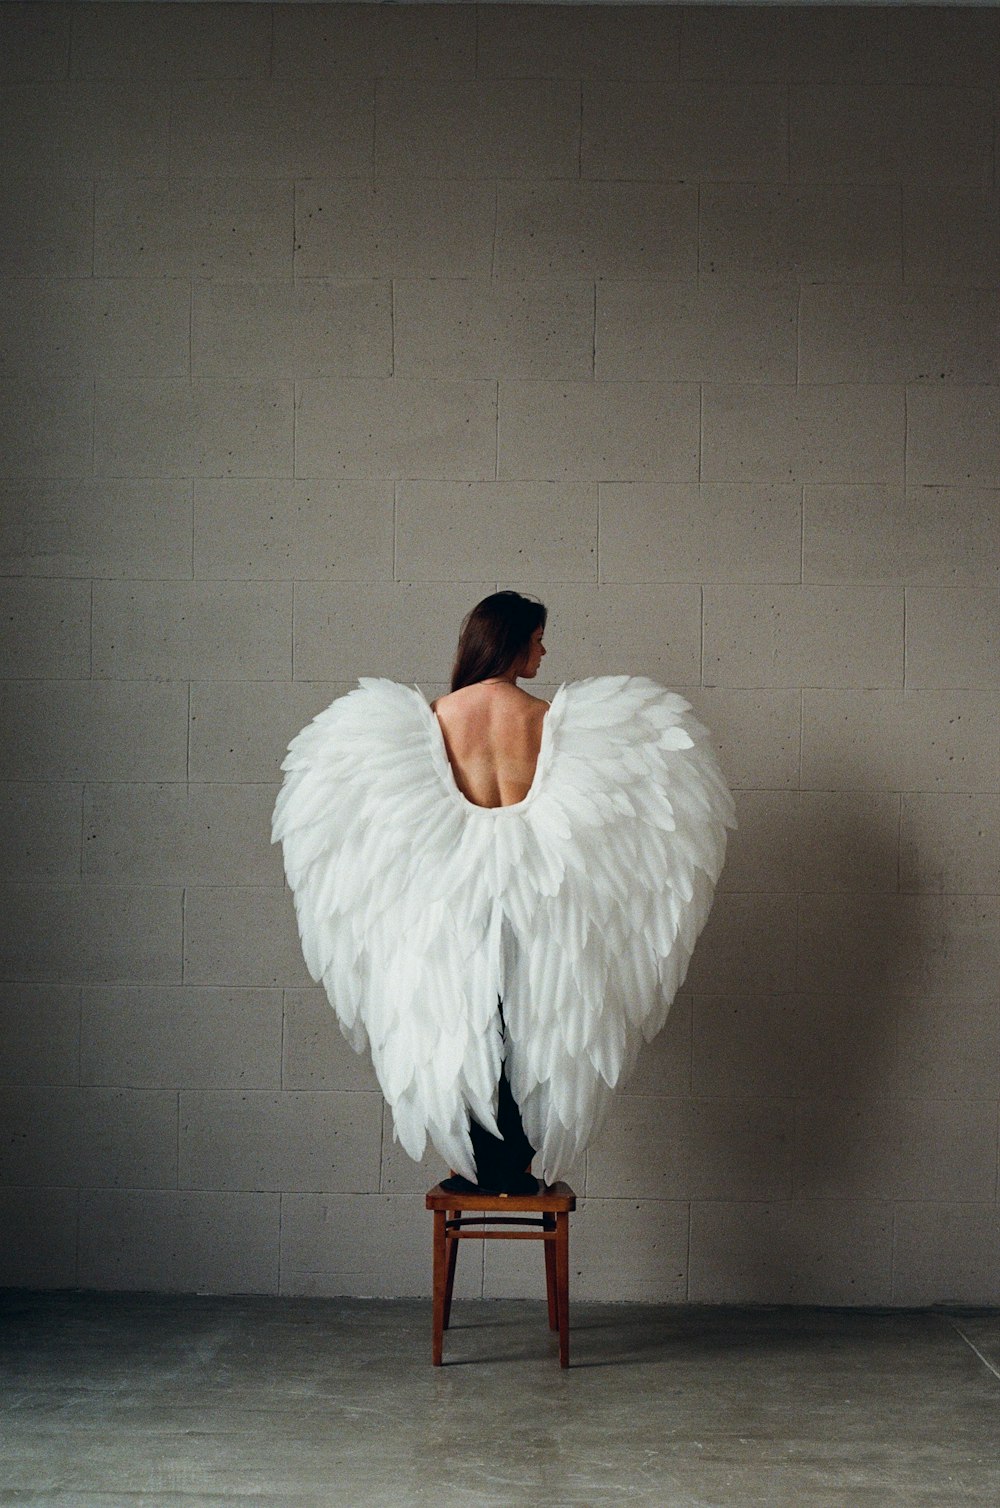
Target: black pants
point(500, 1165)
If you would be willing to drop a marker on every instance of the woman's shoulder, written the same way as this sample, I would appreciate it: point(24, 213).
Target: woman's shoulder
point(513, 698)
point(534, 706)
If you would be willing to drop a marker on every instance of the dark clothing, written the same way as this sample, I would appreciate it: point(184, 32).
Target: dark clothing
point(500, 1164)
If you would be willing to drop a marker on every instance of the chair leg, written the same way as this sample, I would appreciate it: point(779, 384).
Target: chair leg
point(549, 1224)
point(440, 1283)
point(451, 1251)
point(562, 1285)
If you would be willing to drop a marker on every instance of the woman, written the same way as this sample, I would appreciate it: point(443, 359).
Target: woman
point(501, 896)
point(492, 733)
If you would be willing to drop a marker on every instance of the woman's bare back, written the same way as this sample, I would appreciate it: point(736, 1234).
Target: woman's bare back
point(492, 734)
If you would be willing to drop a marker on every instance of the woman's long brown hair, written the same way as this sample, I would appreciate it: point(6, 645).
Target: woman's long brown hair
point(494, 636)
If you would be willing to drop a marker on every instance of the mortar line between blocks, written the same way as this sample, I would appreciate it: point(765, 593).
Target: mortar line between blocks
point(687, 1264)
point(701, 635)
point(281, 1234)
point(597, 539)
point(802, 535)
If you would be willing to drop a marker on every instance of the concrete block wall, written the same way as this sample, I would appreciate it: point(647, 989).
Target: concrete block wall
point(321, 322)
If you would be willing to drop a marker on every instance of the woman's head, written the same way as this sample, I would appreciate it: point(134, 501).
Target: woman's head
point(495, 636)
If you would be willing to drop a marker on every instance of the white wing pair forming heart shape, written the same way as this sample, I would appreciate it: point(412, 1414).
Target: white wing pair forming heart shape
point(578, 907)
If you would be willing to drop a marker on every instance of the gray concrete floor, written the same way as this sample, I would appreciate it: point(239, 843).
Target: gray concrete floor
point(160, 1400)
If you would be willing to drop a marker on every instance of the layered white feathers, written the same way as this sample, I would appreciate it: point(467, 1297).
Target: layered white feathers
point(578, 907)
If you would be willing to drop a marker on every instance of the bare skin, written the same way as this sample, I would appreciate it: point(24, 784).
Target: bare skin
point(493, 732)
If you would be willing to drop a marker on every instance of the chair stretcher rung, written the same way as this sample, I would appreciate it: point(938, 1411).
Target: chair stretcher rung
point(501, 1235)
point(495, 1220)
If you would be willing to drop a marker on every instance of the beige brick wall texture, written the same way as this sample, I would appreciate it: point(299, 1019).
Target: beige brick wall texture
point(319, 323)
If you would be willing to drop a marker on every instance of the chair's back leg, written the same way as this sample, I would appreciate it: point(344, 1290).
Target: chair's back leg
point(549, 1224)
point(451, 1250)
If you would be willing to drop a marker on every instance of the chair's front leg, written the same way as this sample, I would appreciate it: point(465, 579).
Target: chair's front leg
point(440, 1283)
point(562, 1285)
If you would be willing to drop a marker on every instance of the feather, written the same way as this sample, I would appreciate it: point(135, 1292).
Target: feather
point(578, 908)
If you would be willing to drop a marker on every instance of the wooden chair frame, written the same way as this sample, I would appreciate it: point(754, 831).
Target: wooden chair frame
point(547, 1213)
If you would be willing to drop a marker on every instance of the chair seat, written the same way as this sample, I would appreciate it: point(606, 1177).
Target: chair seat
point(553, 1198)
point(539, 1217)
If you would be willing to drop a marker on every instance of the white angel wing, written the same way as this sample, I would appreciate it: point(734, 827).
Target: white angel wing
point(628, 828)
point(394, 910)
point(579, 905)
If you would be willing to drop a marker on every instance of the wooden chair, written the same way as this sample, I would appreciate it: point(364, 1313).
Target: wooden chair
point(546, 1212)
